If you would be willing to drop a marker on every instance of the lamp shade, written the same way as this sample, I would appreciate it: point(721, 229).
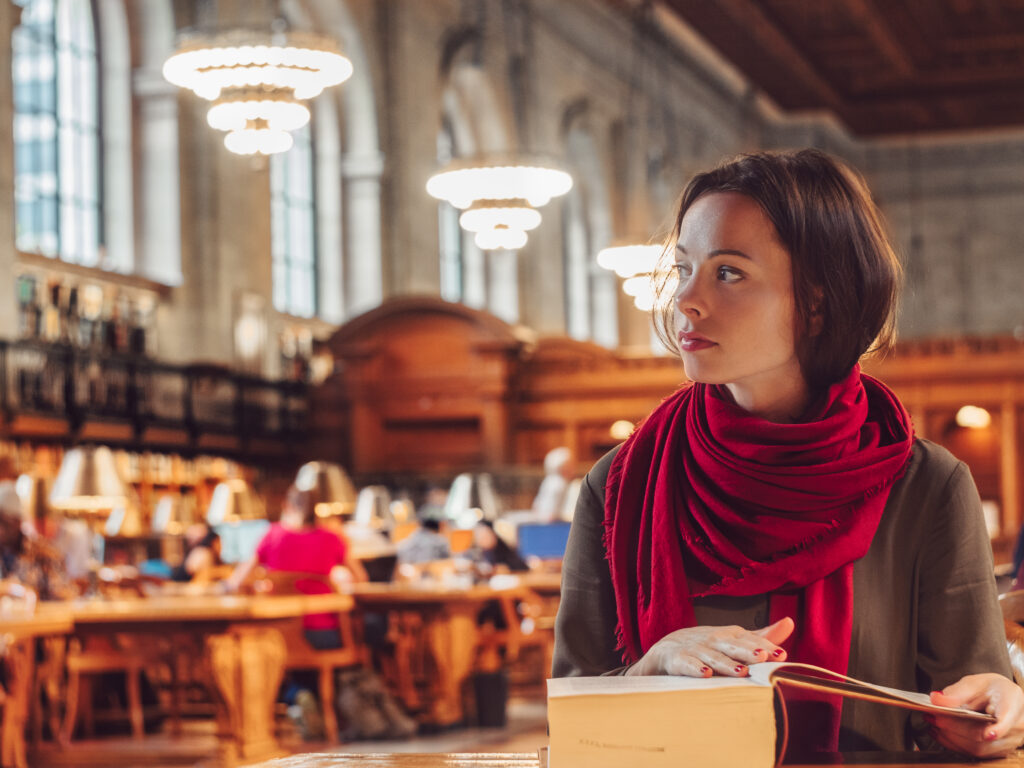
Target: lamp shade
point(472, 498)
point(373, 508)
point(233, 500)
point(88, 481)
point(331, 487)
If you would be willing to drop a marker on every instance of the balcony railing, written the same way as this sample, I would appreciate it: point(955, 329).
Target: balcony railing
point(64, 382)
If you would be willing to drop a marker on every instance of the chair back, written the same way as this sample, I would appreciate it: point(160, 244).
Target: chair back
point(1012, 605)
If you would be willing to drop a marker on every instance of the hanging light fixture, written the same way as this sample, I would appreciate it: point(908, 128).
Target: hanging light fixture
point(258, 81)
point(499, 196)
point(629, 258)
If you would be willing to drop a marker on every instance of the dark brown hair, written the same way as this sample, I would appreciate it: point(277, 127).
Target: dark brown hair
point(846, 276)
point(303, 501)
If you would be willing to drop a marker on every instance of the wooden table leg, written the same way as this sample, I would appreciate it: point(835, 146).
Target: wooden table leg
point(247, 665)
point(452, 638)
point(18, 661)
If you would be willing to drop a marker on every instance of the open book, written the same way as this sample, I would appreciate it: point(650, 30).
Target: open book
point(712, 722)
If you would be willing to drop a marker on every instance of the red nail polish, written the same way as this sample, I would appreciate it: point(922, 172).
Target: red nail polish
point(778, 652)
point(991, 735)
point(739, 669)
point(758, 651)
point(705, 670)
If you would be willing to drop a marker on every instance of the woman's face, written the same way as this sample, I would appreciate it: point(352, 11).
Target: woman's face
point(734, 307)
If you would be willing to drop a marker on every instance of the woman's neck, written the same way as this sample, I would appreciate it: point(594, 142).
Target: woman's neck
point(780, 402)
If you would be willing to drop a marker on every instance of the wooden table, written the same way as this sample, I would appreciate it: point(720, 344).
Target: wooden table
point(245, 650)
point(449, 616)
point(18, 630)
point(531, 760)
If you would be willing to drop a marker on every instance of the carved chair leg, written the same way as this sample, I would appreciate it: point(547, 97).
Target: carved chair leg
point(70, 707)
point(132, 678)
point(327, 704)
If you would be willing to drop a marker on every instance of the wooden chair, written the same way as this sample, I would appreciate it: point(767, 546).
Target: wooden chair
point(301, 655)
point(1012, 605)
point(16, 657)
point(527, 625)
point(94, 655)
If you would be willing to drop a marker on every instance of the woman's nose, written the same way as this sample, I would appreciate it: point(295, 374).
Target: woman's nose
point(690, 299)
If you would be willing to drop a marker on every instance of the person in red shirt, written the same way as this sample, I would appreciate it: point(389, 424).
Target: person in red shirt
point(297, 544)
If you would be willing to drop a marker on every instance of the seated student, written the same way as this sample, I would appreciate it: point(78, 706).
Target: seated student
point(30, 560)
point(297, 544)
point(202, 552)
point(490, 553)
point(425, 544)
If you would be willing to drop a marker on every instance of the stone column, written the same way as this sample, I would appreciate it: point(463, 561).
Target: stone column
point(9, 14)
point(503, 285)
point(158, 236)
point(362, 231)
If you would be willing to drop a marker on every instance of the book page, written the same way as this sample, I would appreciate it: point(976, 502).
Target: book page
point(820, 679)
point(617, 685)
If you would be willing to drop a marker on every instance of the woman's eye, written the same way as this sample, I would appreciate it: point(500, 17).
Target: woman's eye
point(683, 271)
point(729, 274)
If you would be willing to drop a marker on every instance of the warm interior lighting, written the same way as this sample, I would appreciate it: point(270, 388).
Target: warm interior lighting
point(330, 485)
point(629, 259)
point(259, 81)
point(493, 214)
point(621, 429)
point(502, 238)
point(466, 181)
point(973, 417)
point(88, 481)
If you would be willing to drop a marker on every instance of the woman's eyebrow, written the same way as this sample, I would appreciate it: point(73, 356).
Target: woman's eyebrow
point(720, 252)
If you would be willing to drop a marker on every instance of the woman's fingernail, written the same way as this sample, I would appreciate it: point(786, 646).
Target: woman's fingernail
point(758, 651)
point(705, 670)
point(778, 652)
point(739, 669)
point(991, 735)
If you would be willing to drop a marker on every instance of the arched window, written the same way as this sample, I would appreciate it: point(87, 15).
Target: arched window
point(293, 227)
point(58, 183)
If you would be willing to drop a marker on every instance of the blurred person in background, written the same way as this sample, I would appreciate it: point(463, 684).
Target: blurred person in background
point(25, 557)
point(298, 545)
point(424, 545)
point(491, 554)
point(550, 499)
point(202, 552)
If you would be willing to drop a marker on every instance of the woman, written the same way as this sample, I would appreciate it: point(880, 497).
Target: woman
point(780, 507)
point(298, 545)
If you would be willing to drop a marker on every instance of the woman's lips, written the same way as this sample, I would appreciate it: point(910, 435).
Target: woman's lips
point(694, 342)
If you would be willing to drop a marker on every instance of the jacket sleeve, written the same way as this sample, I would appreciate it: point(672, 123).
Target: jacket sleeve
point(960, 625)
point(585, 626)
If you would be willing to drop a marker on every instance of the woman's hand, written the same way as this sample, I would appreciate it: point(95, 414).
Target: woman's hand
point(990, 693)
point(707, 651)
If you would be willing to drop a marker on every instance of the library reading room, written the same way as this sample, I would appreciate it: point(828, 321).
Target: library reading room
point(457, 383)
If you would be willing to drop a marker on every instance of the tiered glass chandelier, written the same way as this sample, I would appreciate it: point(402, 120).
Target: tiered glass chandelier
point(258, 82)
point(636, 263)
point(499, 197)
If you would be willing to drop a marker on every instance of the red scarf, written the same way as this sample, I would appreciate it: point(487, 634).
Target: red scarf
point(706, 499)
